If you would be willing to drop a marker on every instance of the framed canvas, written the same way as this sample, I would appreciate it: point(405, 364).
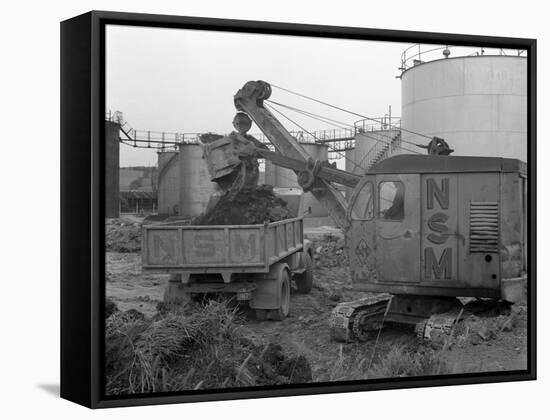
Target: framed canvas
point(256, 209)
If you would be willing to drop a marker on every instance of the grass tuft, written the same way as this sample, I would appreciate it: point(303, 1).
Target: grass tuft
point(191, 347)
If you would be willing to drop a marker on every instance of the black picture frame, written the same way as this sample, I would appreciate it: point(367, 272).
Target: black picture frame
point(82, 204)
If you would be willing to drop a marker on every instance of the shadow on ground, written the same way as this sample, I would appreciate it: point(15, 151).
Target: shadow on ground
point(52, 389)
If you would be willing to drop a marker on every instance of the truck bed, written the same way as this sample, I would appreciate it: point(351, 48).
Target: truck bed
point(188, 249)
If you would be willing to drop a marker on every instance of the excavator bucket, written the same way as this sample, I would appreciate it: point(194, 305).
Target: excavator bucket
point(231, 165)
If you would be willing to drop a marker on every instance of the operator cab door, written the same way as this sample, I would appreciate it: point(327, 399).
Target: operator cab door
point(360, 238)
point(398, 228)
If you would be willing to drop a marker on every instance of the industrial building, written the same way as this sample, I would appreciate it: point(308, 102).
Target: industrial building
point(168, 183)
point(137, 190)
point(475, 100)
point(112, 156)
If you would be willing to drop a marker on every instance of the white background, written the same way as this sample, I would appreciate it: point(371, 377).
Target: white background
point(29, 278)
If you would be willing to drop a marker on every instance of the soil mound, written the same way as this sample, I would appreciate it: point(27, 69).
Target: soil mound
point(247, 208)
point(122, 236)
point(110, 307)
point(192, 347)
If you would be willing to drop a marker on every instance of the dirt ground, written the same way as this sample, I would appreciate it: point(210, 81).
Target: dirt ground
point(491, 343)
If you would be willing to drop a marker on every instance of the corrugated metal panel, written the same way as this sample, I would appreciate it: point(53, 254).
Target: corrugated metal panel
point(484, 226)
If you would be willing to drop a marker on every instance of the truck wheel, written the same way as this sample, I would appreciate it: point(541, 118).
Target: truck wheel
point(261, 314)
point(282, 312)
point(173, 293)
point(304, 281)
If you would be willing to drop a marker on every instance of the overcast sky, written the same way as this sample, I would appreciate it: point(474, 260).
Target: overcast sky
point(176, 80)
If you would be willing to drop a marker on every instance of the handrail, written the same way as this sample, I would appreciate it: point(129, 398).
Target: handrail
point(423, 55)
point(379, 151)
point(386, 122)
point(160, 140)
point(342, 138)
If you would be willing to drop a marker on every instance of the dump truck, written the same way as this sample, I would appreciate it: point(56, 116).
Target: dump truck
point(252, 263)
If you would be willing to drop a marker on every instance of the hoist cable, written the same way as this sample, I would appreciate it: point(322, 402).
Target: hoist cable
point(355, 164)
point(311, 134)
point(344, 110)
point(312, 115)
point(345, 157)
point(335, 123)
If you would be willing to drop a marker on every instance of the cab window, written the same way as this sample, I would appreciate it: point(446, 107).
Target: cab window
point(363, 208)
point(391, 196)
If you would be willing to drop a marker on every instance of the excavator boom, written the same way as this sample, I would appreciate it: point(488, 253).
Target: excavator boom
point(323, 170)
point(250, 99)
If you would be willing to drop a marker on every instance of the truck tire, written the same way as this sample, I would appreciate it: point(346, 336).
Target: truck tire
point(304, 281)
point(173, 293)
point(283, 310)
point(261, 314)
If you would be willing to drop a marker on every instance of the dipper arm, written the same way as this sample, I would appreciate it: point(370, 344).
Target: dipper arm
point(250, 99)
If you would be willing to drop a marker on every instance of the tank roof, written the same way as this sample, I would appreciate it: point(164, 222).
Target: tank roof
point(407, 164)
point(419, 54)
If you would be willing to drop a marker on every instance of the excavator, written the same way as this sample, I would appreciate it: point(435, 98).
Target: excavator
point(420, 230)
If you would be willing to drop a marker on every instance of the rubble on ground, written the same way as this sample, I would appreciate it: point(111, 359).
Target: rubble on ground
point(481, 322)
point(329, 251)
point(122, 236)
point(486, 327)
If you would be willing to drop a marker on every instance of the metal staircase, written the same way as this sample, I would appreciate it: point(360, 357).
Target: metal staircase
point(380, 151)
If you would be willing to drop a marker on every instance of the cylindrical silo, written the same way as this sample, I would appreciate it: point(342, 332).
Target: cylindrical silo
point(309, 206)
point(112, 154)
point(168, 183)
point(351, 167)
point(280, 177)
point(478, 104)
point(261, 177)
point(373, 146)
point(195, 185)
point(285, 181)
point(270, 176)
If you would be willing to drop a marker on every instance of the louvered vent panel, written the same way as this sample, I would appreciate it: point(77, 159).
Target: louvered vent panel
point(484, 226)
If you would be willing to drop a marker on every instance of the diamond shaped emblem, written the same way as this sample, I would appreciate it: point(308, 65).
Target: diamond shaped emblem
point(362, 251)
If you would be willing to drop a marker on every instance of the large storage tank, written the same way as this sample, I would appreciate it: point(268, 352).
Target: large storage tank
point(285, 181)
point(261, 176)
point(351, 166)
point(112, 164)
point(478, 104)
point(371, 147)
point(280, 177)
point(168, 183)
point(195, 185)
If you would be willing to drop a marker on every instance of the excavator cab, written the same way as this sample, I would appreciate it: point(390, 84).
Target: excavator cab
point(384, 215)
point(438, 225)
point(425, 230)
